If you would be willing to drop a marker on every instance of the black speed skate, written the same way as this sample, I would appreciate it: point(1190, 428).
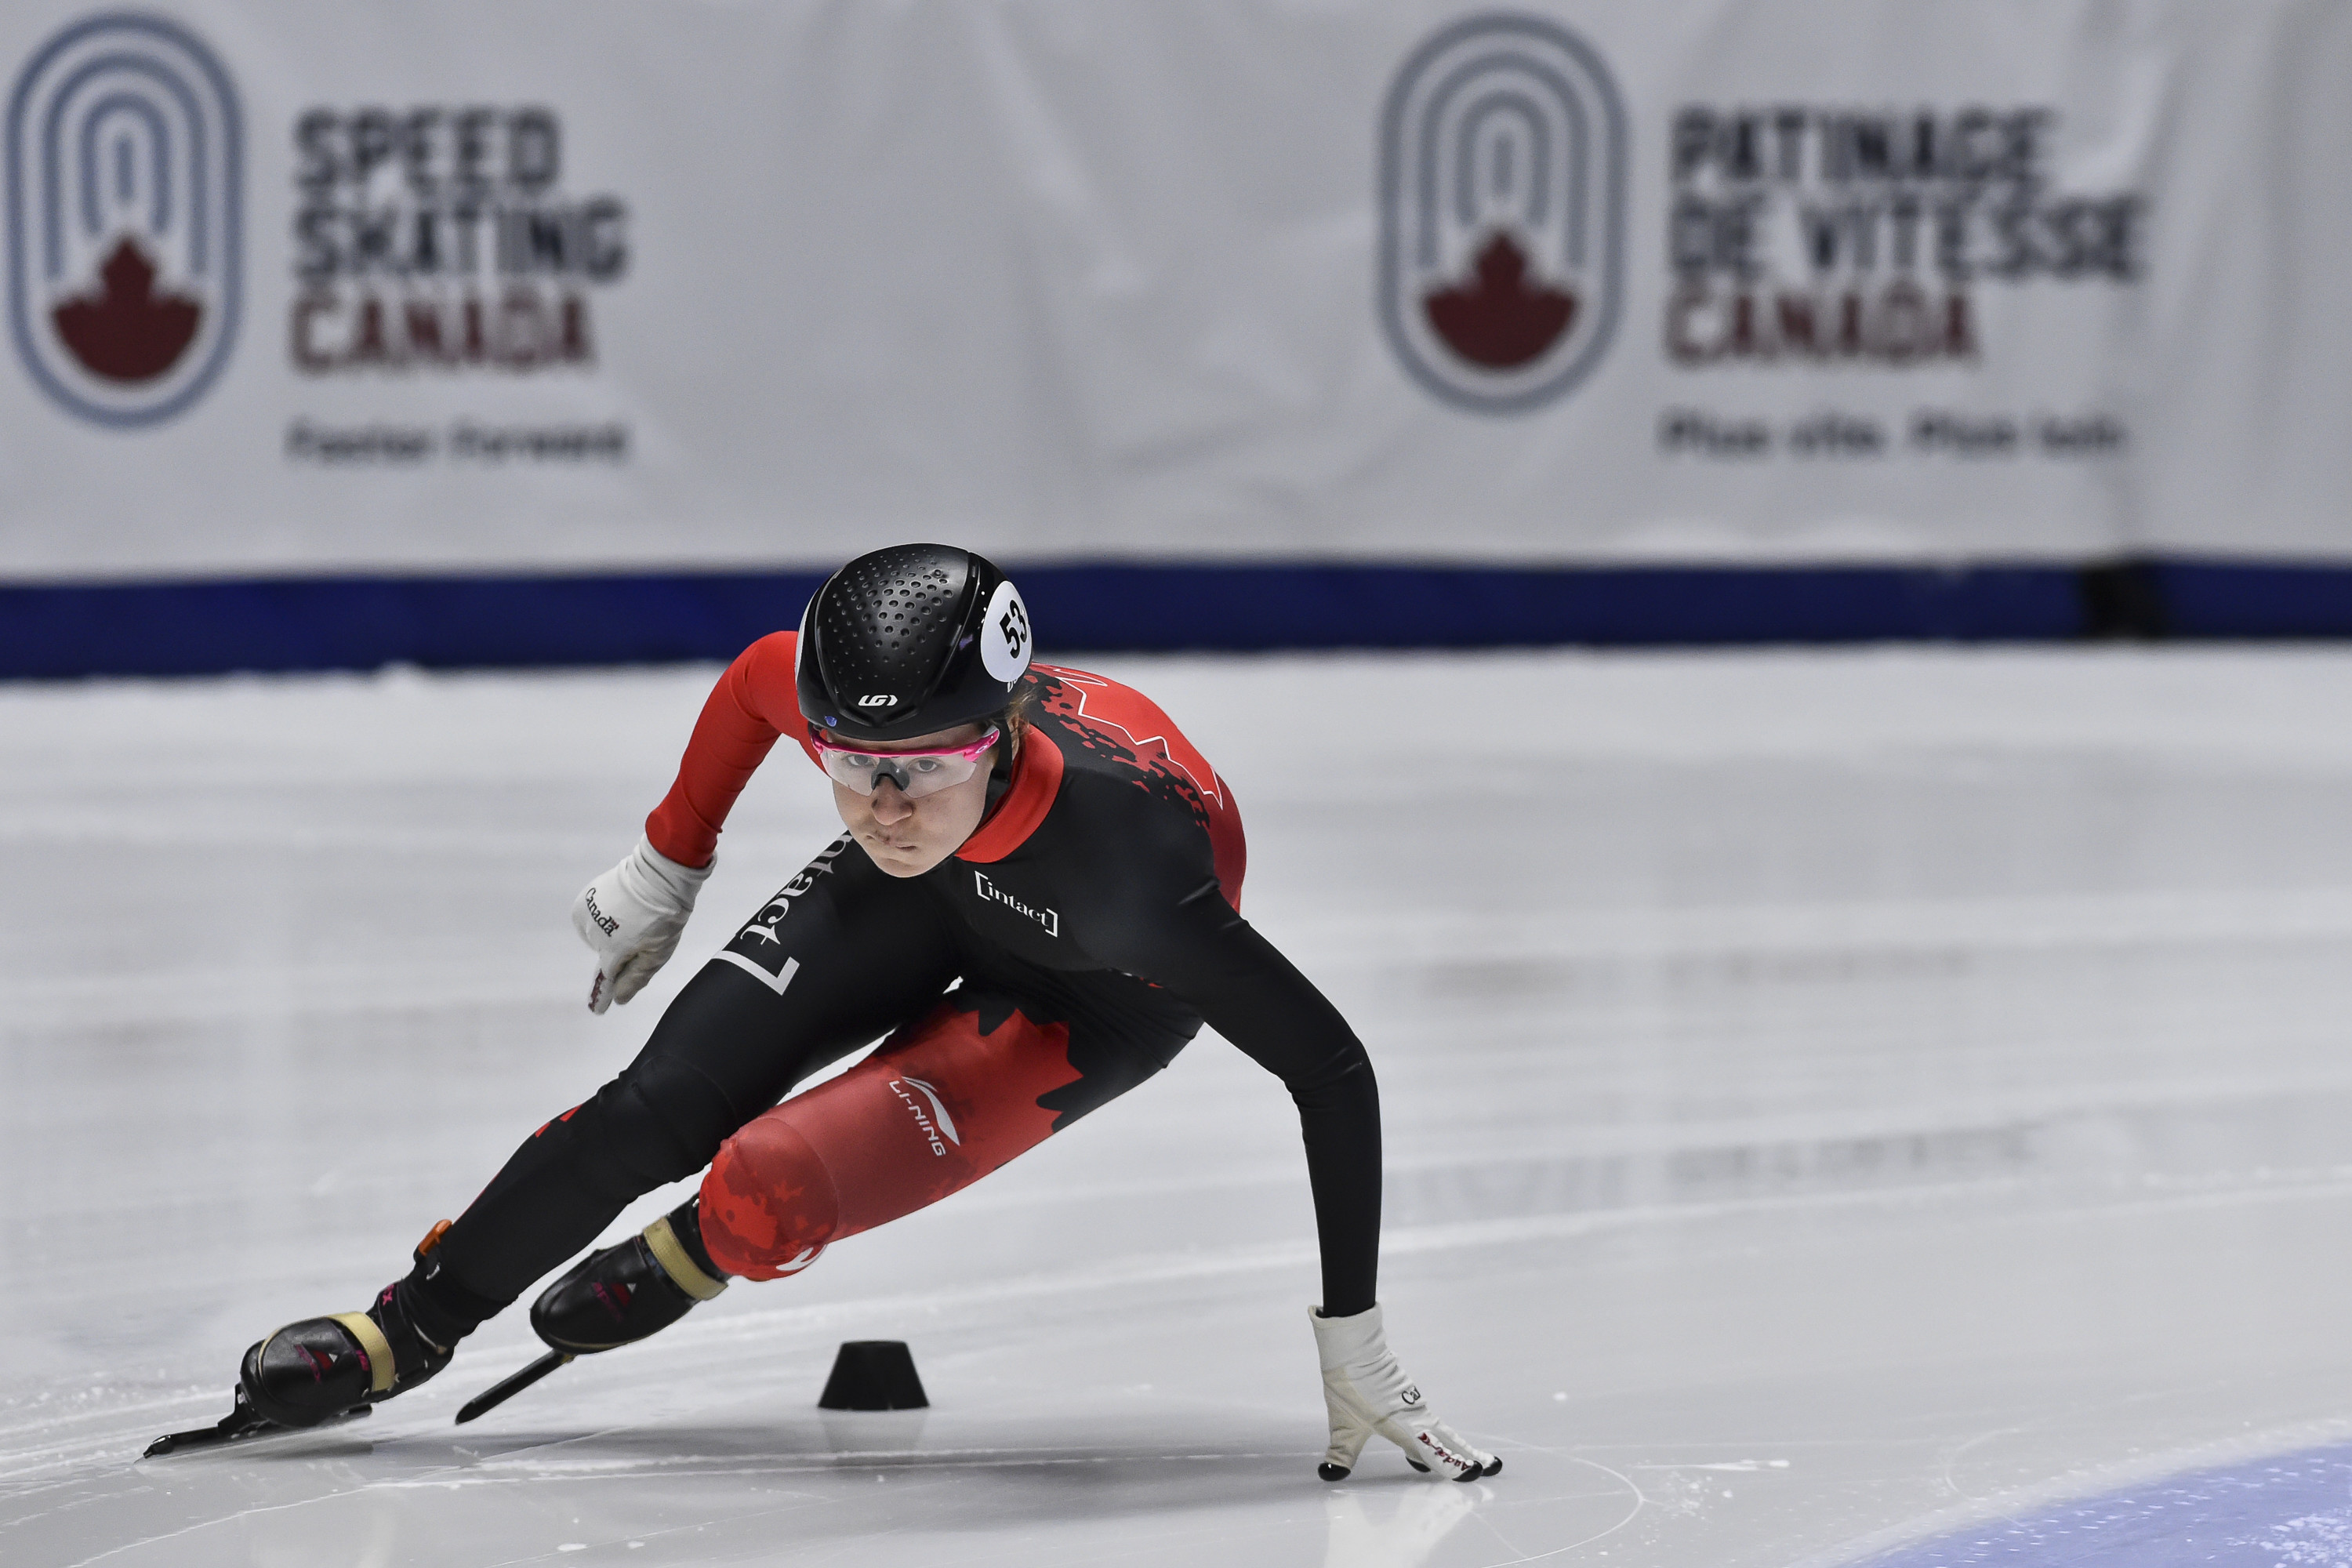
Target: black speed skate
point(614, 1297)
point(329, 1368)
point(319, 1367)
point(624, 1293)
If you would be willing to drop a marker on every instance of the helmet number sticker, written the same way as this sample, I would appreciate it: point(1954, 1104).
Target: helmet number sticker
point(1005, 635)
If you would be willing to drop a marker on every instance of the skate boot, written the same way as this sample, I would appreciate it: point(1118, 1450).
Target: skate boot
point(630, 1291)
point(320, 1367)
point(615, 1298)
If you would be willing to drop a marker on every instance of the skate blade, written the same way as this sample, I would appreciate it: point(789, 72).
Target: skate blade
point(242, 1421)
point(498, 1392)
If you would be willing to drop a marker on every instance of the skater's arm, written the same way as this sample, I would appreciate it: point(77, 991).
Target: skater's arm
point(1205, 953)
point(1253, 997)
point(752, 704)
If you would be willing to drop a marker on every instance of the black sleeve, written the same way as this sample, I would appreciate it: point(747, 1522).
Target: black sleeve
point(1204, 951)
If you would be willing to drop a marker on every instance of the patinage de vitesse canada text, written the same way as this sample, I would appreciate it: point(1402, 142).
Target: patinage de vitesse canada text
point(1798, 234)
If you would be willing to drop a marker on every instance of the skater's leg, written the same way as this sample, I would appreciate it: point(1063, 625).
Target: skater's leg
point(839, 955)
point(842, 954)
point(944, 1101)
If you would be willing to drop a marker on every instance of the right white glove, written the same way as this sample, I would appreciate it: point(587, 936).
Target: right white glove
point(633, 916)
point(1364, 1391)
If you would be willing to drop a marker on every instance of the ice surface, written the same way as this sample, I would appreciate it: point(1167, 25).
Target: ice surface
point(1832, 1099)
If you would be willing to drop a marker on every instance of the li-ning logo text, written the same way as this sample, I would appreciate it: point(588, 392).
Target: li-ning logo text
point(1502, 201)
point(935, 1123)
point(126, 157)
point(993, 894)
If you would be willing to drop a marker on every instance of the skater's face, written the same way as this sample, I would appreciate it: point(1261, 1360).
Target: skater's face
point(908, 837)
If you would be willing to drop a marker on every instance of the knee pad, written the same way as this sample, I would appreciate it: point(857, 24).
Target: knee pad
point(768, 1202)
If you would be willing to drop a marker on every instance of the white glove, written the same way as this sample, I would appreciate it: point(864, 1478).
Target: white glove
point(633, 916)
point(1366, 1392)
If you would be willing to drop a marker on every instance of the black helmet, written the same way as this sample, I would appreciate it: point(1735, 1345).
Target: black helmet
point(909, 640)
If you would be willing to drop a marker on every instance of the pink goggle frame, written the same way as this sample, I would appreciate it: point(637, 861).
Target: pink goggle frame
point(917, 774)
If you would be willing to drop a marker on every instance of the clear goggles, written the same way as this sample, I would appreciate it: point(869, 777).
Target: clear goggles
point(917, 774)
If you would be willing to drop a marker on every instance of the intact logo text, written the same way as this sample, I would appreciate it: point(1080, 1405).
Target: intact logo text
point(990, 892)
point(757, 948)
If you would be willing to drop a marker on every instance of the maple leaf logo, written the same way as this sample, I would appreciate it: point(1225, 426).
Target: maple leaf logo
point(127, 331)
point(1503, 316)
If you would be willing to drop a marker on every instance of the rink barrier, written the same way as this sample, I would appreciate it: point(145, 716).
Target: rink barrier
point(2246, 599)
point(68, 630)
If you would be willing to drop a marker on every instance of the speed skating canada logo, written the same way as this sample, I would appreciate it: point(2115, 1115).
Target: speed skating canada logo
point(124, 166)
point(1501, 196)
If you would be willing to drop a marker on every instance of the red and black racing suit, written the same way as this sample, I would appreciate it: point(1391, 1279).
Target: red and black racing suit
point(1064, 954)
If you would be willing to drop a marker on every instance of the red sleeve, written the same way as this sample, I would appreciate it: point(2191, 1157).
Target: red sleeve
point(755, 702)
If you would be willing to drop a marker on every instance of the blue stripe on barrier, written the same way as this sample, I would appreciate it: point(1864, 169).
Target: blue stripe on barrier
point(1377, 606)
point(345, 623)
point(2234, 599)
point(361, 622)
point(54, 630)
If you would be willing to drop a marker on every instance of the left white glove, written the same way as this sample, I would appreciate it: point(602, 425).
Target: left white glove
point(1366, 1392)
point(633, 916)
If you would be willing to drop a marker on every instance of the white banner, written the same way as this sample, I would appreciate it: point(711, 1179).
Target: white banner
point(579, 284)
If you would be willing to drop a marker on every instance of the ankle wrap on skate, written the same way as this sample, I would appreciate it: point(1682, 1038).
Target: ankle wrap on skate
point(686, 1220)
point(381, 1363)
point(671, 1252)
